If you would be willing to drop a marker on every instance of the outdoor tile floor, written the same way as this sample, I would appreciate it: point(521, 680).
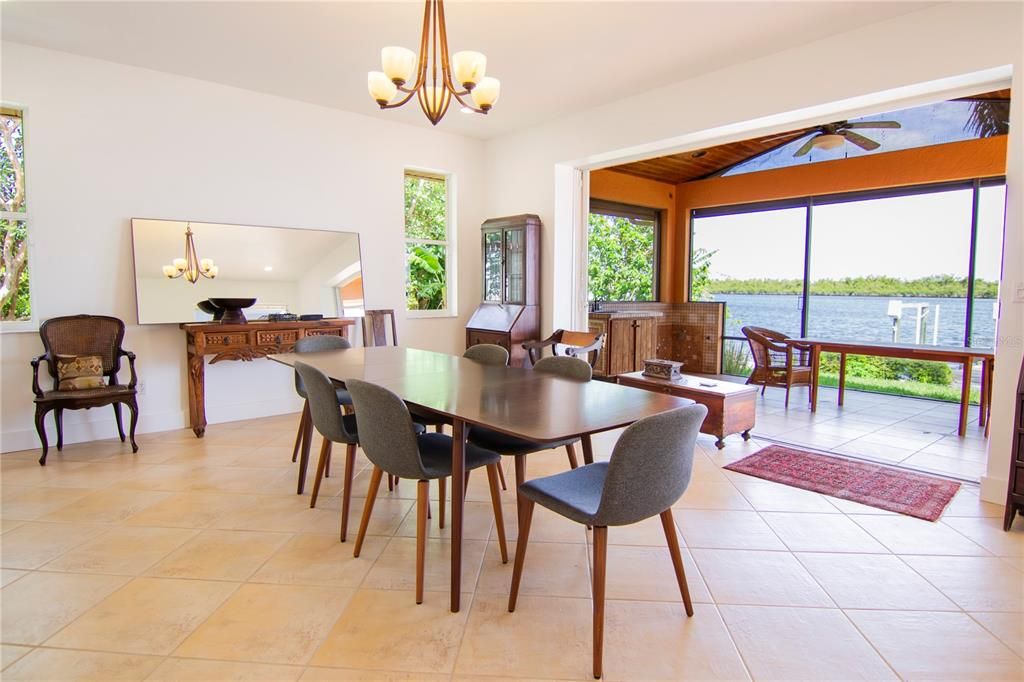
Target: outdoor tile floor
point(907, 432)
point(194, 559)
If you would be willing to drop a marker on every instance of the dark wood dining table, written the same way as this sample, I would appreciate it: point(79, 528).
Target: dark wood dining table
point(516, 401)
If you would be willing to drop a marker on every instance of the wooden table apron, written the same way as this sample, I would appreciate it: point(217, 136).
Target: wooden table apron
point(516, 401)
point(963, 356)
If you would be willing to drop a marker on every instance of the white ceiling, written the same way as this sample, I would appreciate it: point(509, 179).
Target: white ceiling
point(552, 57)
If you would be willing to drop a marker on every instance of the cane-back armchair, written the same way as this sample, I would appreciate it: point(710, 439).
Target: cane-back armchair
point(583, 345)
point(91, 339)
point(776, 363)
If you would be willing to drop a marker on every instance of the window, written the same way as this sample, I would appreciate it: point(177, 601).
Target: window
point(427, 242)
point(622, 252)
point(15, 303)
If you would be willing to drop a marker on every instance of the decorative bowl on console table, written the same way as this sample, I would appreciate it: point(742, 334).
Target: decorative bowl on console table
point(662, 369)
point(232, 308)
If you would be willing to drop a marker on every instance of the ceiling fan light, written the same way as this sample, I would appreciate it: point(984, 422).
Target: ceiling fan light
point(486, 92)
point(829, 141)
point(398, 63)
point(469, 68)
point(381, 88)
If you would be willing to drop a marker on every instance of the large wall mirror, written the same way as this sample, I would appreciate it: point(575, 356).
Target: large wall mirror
point(285, 270)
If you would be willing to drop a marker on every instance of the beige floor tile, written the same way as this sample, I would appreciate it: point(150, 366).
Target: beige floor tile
point(917, 645)
point(191, 510)
point(780, 643)
point(873, 581)
point(1008, 627)
point(220, 555)
point(387, 630)
point(9, 575)
point(9, 653)
point(988, 532)
point(320, 559)
point(546, 637)
point(148, 616)
point(40, 604)
point(268, 624)
point(726, 530)
point(974, 583)
point(551, 569)
point(713, 495)
point(907, 535)
point(769, 496)
point(648, 641)
point(547, 526)
point(122, 550)
point(350, 675)
point(758, 577)
point(647, 533)
point(110, 505)
point(395, 567)
point(804, 532)
point(175, 669)
point(477, 523)
point(30, 503)
point(850, 507)
point(9, 524)
point(969, 503)
point(58, 664)
point(647, 574)
point(32, 544)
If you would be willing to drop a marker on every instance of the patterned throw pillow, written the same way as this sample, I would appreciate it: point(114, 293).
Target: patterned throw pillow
point(78, 372)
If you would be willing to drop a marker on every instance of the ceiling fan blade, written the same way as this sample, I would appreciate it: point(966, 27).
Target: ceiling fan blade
point(861, 141)
point(806, 148)
point(872, 124)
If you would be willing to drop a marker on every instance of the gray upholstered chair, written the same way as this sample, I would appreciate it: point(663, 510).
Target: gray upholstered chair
point(304, 435)
point(335, 427)
point(649, 470)
point(389, 440)
point(487, 354)
point(567, 367)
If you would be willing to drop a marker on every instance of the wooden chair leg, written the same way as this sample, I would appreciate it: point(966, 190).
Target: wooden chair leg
point(422, 505)
point(525, 517)
point(391, 483)
point(117, 418)
point(442, 485)
point(307, 443)
point(133, 409)
point(501, 477)
point(787, 397)
point(41, 430)
point(520, 466)
point(570, 449)
point(499, 520)
point(439, 428)
point(325, 454)
point(677, 560)
point(346, 496)
point(600, 562)
point(327, 468)
point(371, 496)
point(301, 431)
point(58, 419)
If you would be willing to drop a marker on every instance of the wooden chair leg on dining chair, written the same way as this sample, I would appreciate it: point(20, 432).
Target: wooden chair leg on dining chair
point(570, 449)
point(501, 477)
point(499, 520)
point(600, 562)
point(371, 496)
point(442, 486)
point(422, 505)
point(677, 560)
point(525, 517)
point(325, 455)
point(300, 435)
point(346, 496)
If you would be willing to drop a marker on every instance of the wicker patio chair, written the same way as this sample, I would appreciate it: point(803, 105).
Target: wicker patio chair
point(778, 364)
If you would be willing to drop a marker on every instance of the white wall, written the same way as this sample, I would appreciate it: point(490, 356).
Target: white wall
point(526, 170)
point(106, 142)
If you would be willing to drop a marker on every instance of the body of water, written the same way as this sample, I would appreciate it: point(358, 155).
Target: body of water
point(859, 318)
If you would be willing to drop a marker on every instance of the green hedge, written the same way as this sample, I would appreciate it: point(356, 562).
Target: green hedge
point(893, 369)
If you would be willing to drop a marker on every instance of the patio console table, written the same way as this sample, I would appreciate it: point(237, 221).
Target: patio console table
point(963, 356)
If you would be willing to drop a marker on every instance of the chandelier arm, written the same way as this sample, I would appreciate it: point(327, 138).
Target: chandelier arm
point(421, 67)
point(446, 69)
point(395, 105)
point(466, 104)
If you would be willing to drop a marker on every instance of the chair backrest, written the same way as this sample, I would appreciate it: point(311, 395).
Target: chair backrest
point(375, 328)
point(323, 404)
point(650, 466)
point(83, 335)
point(567, 342)
point(565, 366)
point(312, 344)
point(760, 340)
point(386, 432)
point(487, 354)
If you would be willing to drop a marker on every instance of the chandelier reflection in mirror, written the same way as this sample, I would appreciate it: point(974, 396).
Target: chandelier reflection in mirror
point(466, 69)
point(190, 267)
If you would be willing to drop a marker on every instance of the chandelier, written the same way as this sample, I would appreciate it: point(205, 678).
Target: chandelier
point(434, 92)
point(190, 267)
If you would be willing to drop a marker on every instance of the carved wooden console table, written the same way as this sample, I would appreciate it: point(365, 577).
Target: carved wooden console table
point(242, 342)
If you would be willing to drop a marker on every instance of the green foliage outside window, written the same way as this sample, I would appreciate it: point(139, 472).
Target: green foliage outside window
point(14, 293)
point(426, 248)
point(621, 254)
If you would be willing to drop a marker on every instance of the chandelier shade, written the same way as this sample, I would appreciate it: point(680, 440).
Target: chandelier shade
point(431, 76)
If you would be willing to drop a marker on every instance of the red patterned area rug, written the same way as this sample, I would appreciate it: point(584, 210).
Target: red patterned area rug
point(876, 485)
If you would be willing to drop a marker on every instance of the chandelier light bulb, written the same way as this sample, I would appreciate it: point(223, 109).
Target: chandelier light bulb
point(382, 90)
point(180, 264)
point(469, 68)
point(399, 64)
point(485, 94)
point(170, 271)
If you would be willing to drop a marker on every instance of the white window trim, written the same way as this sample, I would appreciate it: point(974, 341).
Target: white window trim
point(31, 324)
point(451, 244)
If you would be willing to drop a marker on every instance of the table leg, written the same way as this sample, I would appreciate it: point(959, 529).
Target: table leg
point(588, 449)
point(458, 496)
point(815, 362)
point(986, 376)
point(965, 396)
point(197, 393)
point(842, 377)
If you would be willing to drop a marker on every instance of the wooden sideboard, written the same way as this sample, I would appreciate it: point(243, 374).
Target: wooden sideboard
point(630, 337)
point(245, 342)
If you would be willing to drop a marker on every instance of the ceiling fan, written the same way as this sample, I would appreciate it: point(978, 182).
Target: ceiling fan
point(833, 135)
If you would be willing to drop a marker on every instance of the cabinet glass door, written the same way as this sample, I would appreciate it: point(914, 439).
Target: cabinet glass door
point(492, 267)
point(514, 266)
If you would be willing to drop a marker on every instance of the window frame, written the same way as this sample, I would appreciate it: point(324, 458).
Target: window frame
point(32, 323)
point(632, 211)
point(450, 242)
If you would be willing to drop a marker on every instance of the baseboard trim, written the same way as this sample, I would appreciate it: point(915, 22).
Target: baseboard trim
point(994, 489)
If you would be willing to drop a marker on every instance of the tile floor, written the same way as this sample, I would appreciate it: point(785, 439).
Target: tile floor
point(195, 560)
point(907, 432)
